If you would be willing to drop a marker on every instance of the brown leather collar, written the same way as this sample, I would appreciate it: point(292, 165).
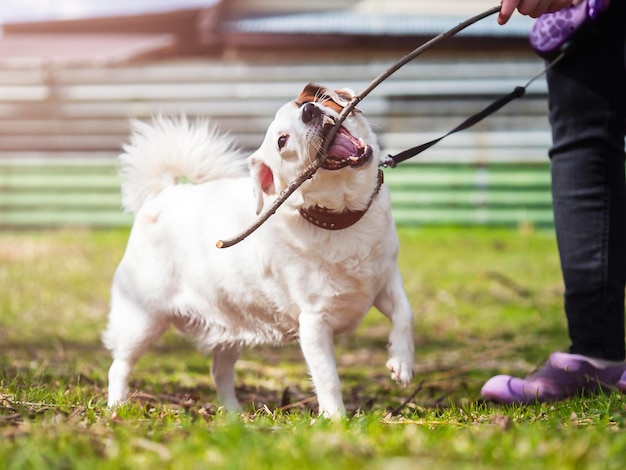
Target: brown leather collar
point(323, 218)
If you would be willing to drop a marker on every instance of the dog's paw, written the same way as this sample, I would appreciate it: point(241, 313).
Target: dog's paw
point(231, 405)
point(334, 412)
point(401, 371)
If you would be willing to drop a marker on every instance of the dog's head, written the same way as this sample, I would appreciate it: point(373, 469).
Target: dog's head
point(293, 140)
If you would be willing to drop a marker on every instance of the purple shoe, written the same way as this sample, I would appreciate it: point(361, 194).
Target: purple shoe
point(564, 375)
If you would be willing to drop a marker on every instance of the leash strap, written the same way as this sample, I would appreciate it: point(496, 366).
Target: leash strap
point(519, 91)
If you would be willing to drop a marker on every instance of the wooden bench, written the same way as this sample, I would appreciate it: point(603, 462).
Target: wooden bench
point(61, 130)
point(64, 193)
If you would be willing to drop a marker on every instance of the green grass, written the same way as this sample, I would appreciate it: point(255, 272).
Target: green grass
point(486, 301)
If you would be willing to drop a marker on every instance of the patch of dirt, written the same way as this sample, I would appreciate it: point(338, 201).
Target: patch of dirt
point(16, 249)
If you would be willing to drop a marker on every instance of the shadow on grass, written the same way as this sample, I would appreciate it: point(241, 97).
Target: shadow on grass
point(449, 372)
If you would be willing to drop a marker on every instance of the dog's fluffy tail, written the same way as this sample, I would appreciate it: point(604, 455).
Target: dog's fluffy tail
point(167, 149)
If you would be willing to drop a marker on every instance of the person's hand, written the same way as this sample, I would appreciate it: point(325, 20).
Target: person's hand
point(533, 8)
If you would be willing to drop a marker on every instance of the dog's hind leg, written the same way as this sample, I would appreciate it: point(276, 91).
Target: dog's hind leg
point(129, 332)
point(223, 374)
point(394, 304)
point(316, 341)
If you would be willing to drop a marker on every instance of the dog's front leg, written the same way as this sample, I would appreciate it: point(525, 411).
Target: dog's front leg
point(316, 341)
point(394, 304)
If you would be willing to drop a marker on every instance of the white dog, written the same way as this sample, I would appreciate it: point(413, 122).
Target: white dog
point(311, 271)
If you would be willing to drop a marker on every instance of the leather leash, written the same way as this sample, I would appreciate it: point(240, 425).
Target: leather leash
point(392, 161)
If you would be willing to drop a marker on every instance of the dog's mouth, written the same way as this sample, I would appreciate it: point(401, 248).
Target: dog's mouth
point(347, 150)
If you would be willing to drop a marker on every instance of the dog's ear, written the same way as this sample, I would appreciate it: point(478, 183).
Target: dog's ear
point(343, 97)
point(262, 180)
point(345, 93)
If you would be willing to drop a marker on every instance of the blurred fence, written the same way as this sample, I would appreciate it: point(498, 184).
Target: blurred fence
point(61, 131)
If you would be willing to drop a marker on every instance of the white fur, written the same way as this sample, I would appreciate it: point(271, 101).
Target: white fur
point(288, 280)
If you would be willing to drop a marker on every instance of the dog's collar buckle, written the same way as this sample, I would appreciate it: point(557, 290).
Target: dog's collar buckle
point(323, 218)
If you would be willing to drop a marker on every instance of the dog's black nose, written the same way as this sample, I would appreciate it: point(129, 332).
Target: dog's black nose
point(310, 112)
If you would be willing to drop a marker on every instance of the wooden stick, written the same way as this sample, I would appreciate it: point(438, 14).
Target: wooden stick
point(397, 410)
point(321, 154)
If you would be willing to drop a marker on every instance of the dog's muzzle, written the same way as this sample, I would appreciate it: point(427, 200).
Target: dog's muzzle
point(345, 150)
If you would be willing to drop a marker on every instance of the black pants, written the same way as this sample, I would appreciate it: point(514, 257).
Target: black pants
point(588, 118)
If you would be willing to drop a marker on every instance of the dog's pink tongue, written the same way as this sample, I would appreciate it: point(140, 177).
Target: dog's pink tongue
point(342, 147)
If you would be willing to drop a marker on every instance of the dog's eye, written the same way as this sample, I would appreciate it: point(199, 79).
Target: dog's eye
point(282, 141)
